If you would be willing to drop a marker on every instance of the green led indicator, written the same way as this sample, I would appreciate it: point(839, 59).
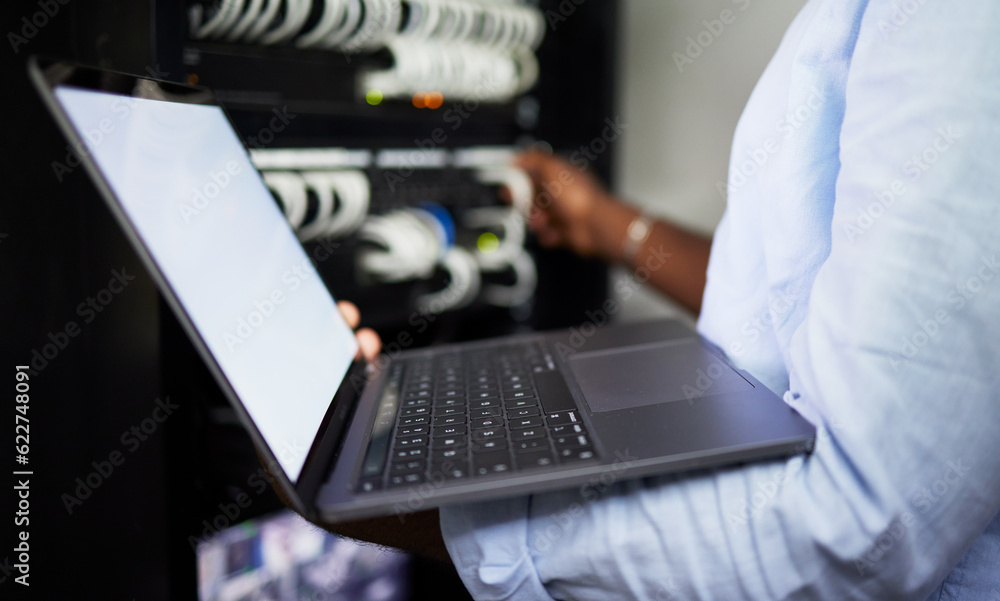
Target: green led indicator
point(488, 242)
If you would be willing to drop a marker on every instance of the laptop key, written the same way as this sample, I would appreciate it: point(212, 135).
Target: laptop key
point(402, 431)
point(553, 392)
point(488, 412)
point(525, 422)
point(570, 442)
point(408, 467)
point(494, 462)
point(531, 459)
point(437, 455)
point(562, 417)
point(406, 480)
point(526, 434)
point(570, 455)
point(523, 412)
point(492, 444)
point(453, 430)
point(488, 422)
point(487, 433)
point(449, 441)
point(520, 403)
point(444, 411)
point(411, 441)
point(415, 411)
point(414, 420)
point(566, 429)
point(449, 420)
point(409, 452)
point(450, 470)
point(531, 444)
point(370, 484)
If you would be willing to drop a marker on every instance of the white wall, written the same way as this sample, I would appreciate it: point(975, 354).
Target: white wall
point(681, 120)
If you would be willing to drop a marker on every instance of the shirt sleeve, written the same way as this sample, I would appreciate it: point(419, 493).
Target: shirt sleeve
point(895, 360)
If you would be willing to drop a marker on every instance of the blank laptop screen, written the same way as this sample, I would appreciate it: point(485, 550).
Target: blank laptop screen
point(182, 177)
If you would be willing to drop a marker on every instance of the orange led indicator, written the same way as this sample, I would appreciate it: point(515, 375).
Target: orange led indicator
point(428, 100)
point(435, 100)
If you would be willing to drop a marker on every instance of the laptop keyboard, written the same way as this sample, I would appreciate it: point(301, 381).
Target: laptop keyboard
point(465, 415)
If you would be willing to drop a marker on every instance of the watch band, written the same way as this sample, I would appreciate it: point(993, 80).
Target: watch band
point(637, 233)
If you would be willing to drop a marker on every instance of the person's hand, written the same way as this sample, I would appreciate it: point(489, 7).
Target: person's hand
point(415, 532)
point(568, 203)
point(369, 343)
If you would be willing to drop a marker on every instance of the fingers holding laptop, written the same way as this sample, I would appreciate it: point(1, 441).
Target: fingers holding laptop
point(369, 344)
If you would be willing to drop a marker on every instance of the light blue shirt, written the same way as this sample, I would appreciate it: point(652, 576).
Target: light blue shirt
point(855, 273)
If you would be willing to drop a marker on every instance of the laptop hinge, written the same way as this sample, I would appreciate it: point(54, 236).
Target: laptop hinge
point(325, 448)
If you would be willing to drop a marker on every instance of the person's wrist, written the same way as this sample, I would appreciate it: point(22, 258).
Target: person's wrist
point(610, 220)
point(636, 234)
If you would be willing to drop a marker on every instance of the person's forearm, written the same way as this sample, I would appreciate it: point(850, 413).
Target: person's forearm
point(419, 533)
point(673, 259)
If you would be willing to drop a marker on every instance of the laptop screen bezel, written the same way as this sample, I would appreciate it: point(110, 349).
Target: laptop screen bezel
point(49, 74)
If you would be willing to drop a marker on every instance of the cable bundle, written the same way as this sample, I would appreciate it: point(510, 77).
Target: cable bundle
point(326, 193)
point(481, 49)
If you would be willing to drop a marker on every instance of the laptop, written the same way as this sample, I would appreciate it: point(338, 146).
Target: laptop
point(419, 428)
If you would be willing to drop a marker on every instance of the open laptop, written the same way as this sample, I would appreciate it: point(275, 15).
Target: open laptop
point(425, 427)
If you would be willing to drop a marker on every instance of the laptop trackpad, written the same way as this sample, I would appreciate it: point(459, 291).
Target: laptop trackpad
point(648, 374)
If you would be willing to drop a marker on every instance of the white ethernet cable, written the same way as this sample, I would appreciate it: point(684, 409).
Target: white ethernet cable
point(462, 289)
point(291, 189)
point(332, 15)
point(225, 16)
